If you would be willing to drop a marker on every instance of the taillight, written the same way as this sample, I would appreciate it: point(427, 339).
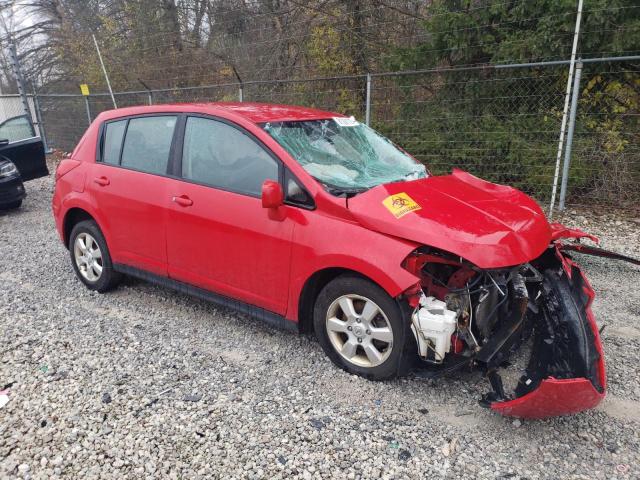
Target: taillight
point(65, 167)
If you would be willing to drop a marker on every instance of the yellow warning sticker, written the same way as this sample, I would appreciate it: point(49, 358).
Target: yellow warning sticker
point(84, 89)
point(400, 204)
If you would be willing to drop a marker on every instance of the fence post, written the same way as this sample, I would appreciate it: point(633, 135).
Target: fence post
point(240, 94)
point(13, 56)
point(86, 104)
point(43, 134)
point(150, 95)
point(575, 97)
point(367, 109)
point(565, 110)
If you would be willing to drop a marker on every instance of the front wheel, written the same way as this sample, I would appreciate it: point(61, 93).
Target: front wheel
point(362, 330)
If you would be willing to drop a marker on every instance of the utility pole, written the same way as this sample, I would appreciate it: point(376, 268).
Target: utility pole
point(13, 59)
point(104, 70)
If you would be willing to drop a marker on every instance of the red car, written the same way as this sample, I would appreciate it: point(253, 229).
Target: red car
point(312, 221)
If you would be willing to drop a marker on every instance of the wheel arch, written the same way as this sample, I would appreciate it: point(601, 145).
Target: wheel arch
point(312, 288)
point(72, 217)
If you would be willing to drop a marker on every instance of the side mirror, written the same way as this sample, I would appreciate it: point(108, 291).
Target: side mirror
point(272, 196)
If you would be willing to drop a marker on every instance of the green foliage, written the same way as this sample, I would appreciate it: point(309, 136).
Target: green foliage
point(504, 124)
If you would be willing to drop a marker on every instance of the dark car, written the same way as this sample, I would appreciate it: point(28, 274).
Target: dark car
point(22, 158)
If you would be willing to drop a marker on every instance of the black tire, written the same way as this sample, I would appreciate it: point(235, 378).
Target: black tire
point(403, 350)
point(108, 278)
point(11, 206)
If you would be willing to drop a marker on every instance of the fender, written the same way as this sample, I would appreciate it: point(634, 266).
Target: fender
point(376, 256)
point(86, 203)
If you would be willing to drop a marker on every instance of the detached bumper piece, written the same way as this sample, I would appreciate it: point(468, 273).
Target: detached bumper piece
point(566, 372)
point(552, 398)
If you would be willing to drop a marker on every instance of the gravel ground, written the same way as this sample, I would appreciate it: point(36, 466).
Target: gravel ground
point(143, 382)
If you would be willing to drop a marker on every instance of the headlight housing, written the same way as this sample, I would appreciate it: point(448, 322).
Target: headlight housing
point(7, 169)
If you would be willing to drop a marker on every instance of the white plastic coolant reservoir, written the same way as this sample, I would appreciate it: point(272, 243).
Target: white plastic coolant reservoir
point(436, 324)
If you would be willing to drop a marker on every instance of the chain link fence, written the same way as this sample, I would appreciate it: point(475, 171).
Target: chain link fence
point(501, 123)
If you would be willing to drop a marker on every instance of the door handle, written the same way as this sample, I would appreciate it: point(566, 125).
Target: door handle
point(183, 201)
point(102, 181)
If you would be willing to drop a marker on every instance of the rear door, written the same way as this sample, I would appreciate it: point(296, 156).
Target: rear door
point(19, 143)
point(129, 185)
point(219, 236)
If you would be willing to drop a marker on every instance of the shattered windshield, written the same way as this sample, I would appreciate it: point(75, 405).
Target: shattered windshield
point(344, 154)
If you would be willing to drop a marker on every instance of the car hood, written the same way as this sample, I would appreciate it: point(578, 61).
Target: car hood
point(490, 225)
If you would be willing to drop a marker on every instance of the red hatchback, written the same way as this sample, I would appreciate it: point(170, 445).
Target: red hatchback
point(312, 221)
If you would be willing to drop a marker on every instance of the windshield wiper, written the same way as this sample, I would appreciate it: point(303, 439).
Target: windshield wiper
point(347, 192)
point(340, 191)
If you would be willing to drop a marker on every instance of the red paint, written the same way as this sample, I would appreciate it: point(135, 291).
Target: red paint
point(457, 344)
point(552, 398)
point(272, 196)
point(489, 225)
point(226, 242)
point(65, 167)
point(559, 231)
point(229, 243)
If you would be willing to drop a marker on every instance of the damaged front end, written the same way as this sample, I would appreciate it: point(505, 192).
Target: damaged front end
point(464, 317)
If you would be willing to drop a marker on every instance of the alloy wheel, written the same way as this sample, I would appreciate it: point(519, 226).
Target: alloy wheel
point(359, 330)
point(88, 257)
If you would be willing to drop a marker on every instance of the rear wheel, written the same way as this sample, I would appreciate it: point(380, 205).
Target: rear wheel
point(90, 257)
point(362, 330)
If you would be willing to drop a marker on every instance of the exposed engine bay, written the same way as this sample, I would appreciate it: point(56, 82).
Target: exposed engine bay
point(464, 317)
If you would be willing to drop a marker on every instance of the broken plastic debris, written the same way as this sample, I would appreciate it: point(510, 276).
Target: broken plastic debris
point(4, 397)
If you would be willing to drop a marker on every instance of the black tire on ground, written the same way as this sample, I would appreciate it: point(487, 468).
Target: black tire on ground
point(11, 206)
point(403, 352)
point(109, 278)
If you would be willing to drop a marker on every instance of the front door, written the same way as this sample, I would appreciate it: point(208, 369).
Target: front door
point(19, 143)
point(218, 235)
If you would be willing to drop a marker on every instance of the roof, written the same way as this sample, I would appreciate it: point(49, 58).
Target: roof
point(254, 112)
point(270, 112)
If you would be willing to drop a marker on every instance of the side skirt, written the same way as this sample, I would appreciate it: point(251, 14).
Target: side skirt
point(270, 318)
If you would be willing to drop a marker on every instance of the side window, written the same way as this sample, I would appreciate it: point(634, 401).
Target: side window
point(147, 143)
point(222, 156)
point(114, 131)
point(16, 128)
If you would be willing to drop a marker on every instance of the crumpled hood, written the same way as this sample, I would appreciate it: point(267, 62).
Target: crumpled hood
point(489, 225)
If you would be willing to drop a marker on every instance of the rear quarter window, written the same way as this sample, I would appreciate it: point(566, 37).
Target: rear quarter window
point(114, 132)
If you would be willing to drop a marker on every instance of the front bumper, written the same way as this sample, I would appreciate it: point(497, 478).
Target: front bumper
point(565, 396)
point(11, 190)
point(552, 398)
